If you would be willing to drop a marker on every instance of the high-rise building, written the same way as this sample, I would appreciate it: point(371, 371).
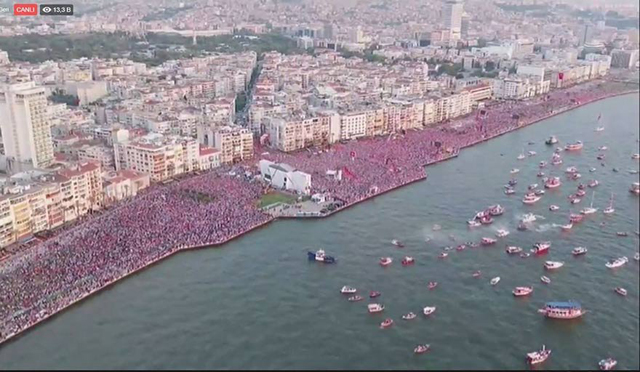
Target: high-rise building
point(452, 15)
point(624, 58)
point(587, 34)
point(327, 31)
point(26, 129)
point(464, 25)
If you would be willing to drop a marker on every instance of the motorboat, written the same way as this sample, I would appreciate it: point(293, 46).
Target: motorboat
point(557, 161)
point(622, 233)
point(599, 129)
point(495, 280)
point(545, 280)
point(408, 261)
point(580, 193)
point(522, 291)
point(386, 261)
point(539, 356)
point(409, 316)
point(513, 250)
point(521, 157)
point(609, 209)
point(531, 198)
point(615, 170)
point(532, 153)
point(509, 191)
point(525, 254)
point(567, 227)
point(495, 210)
point(562, 310)
point(513, 182)
point(618, 262)
point(528, 218)
point(607, 364)
point(542, 164)
point(386, 323)
point(355, 298)
point(603, 148)
point(574, 146)
point(579, 251)
point(501, 233)
point(575, 218)
point(397, 243)
point(374, 294)
point(539, 192)
point(636, 256)
point(601, 156)
point(477, 274)
point(581, 186)
point(488, 241)
point(575, 176)
point(541, 247)
point(633, 171)
point(551, 140)
point(436, 227)
point(592, 169)
point(553, 265)
point(432, 285)
point(474, 223)
point(575, 200)
point(554, 208)
point(571, 169)
point(533, 186)
point(375, 308)
point(553, 182)
point(320, 256)
point(635, 188)
point(621, 291)
point(443, 255)
point(461, 247)
point(428, 310)
point(522, 226)
point(635, 156)
point(593, 183)
point(421, 349)
point(540, 174)
point(486, 220)
point(514, 171)
point(348, 290)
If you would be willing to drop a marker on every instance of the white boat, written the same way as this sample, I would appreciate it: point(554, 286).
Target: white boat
point(618, 262)
point(539, 356)
point(528, 218)
point(409, 316)
point(551, 140)
point(571, 169)
point(553, 207)
point(348, 290)
point(592, 169)
point(578, 251)
point(533, 186)
point(545, 280)
point(502, 233)
point(539, 192)
point(509, 191)
point(635, 156)
point(599, 129)
point(607, 364)
point(421, 349)
point(386, 261)
point(443, 255)
point(590, 209)
point(521, 156)
point(636, 256)
point(574, 146)
point(397, 243)
point(474, 223)
point(541, 247)
point(532, 153)
point(487, 241)
point(621, 291)
point(575, 200)
point(567, 227)
point(593, 183)
point(514, 171)
point(553, 265)
point(543, 164)
point(531, 198)
point(386, 323)
point(522, 291)
point(557, 161)
point(513, 250)
point(635, 188)
point(495, 280)
point(375, 308)
point(632, 171)
point(609, 209)
point(428, 310)
point(355, 298)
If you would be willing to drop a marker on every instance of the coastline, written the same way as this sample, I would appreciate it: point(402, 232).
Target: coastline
point(177, 249)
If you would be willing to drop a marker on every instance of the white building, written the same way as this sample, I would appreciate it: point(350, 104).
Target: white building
point(25, 125)
point(285, 177)
point(452, 16)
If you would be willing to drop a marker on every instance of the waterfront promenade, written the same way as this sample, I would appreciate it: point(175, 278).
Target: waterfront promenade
point(213, 208)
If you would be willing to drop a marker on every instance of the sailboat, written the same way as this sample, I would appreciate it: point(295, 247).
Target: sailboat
point(599, 128)
point(521, 156)
point(590, 209)
point(609, 209)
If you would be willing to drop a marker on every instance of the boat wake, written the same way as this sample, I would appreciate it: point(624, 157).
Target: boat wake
point(546, 227)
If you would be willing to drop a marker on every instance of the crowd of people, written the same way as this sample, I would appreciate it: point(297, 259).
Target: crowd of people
point(215, 207)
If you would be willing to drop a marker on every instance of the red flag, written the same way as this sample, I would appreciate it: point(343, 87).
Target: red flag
point(353, 154)
point(560, 75)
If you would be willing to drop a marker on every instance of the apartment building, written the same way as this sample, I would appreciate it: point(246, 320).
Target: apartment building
point(234, 143)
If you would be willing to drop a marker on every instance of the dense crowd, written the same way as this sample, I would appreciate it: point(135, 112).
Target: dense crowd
point(215, 207)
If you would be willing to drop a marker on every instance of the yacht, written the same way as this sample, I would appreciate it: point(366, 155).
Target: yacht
point(579, 251)
point(609, 209)
point(553, 265)
point(495, 280)
point(541, 247)
point(513, 250)
point(590, 209)
point(428, 310)
point(348, 290)
point(375, 308)
point(618, 262)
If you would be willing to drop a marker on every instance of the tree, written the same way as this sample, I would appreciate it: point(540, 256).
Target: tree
point(490, 66)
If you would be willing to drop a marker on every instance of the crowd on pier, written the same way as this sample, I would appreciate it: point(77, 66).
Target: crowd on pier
point(215, 207)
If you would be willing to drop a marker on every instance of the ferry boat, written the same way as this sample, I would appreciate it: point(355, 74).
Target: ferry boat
point(551, 140)
point(567, 227)
point(553, 182)
point(575, 218)
point(320, 256)
point(386, 261)
point(496, 210)
point(374, 294)
point(348, 290)
point(408, 261)
point(409, 316)
point(571, 169)
point(514, 171)
point(502, 233)
point(635, 188)
point(474, 223)
point(545, 280)
point(355, 299)
point(553, 208)
point(397, 243)
point(541, 247)
point(593, 183)
point(522, 291)
point(553, 265)
point(621, 291)
point(421, 349)
point(495, 280)
point(432, 285)
point(539, 356)
point(386, 323)
point(542, 164)
point(618, 262)
point(428, 310)
point(579, 251)
point(609, 209)
point(375, 308)
point(574, 146)
point(562, 310)
point(509, 191)
point(513, 250)
point(488, 241)
point(607, 364)
point(531, 198)
point(528, 218)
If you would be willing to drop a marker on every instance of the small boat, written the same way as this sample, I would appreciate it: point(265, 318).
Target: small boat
point(513, 250)
point(579, 251)
point(580, 193)
point(600, 156)
point(615, 170)
point(567, 227)
point(513, 182)
point(488, 241)
point(429, 310)
point(539, 192)
point(477, 274)
point(590, 209)
point(409, 316)
point(622, 233)
point(532, 153)
point(540, 174)
point(386, 261)
point(636, 256)
point(581, 186)
point(539, 356)
point(421, 349)
point(551, 140)
point(386, 323)
point(562, 310)
point(525, 255)
point(375, 308)
point(553, 183)
point(553, 208)
point(635, 188)
point(607, 364)
point(531, 143)
point(635, 156)
point(592, 169)
point(348, 290)
point(486, 220)
point(599, 129)
point(408, 260)
point(461, 247)
point(571, 169)
point(355, 298)
point(501, 233)
point(495, 210)
point(575, 218)
point(556, 161)
point(575, 200)
point(514, 171)
point(574, 146)
point(521, 157)
point(522, 291)
point(541, 247)
point(495, 280)
point(509, 191)
point(531, 198)
point(522, 226)
point(473, 223)
point(593, 183)
point(320, 256)
point(397, 243)
point(632, 171)
point(621, 291)
point(533, 186)
point(553, 265)
point(618, 262)
point(436, 227)
point(542, 164)
point(603, 148)
point(374, 294)
point(432, 285)
point(575, 176)
point(545, 280)
point(472, 244)
point(443, 255)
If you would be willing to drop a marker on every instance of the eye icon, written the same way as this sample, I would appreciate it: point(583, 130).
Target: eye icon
point(46, 9)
